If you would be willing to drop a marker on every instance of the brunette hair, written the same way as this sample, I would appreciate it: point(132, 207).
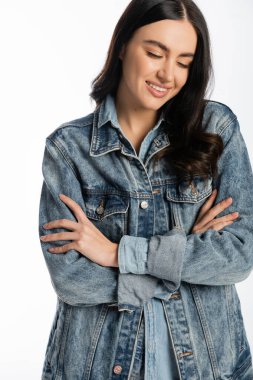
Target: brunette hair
point(192, 151)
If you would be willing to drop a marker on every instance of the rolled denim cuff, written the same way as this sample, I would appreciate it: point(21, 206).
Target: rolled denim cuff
point(158, 257)
point(134, 290)
point(165, 257)
point(135, 286)
point(132, 255)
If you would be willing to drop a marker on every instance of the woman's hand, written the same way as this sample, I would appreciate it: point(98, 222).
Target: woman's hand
point(86, 238)
point(207, 220)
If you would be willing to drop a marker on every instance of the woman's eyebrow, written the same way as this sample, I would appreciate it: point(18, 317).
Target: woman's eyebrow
point(165, 48)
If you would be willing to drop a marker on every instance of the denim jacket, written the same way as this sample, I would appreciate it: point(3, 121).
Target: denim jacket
point(137, 204)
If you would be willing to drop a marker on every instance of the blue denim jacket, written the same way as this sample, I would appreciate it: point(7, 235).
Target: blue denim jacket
point(99, 308)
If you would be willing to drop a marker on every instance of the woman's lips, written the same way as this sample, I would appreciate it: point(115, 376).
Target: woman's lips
point(158, 93)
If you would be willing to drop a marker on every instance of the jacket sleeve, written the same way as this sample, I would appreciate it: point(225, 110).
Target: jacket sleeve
point(76, 279)
point(209, 258)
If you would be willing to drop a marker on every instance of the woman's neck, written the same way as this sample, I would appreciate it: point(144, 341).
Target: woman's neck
point(135, 123)
point(135, 119)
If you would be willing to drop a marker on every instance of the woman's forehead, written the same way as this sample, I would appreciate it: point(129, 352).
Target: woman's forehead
point(172, 34)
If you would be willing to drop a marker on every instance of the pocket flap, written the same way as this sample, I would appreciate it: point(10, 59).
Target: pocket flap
point(194, 192)
point(100, 206)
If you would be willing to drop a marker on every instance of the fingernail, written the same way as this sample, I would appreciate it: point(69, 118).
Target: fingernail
point(43, 237)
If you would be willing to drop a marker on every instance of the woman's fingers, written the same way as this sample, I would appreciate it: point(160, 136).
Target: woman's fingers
point(217, 227)
point(60, 236)
point(63, 248)
point(217, 224)
point(220, 226)
point(61, 223)
point(77, 210)
point(214, 211)
point(223, 220)
point(207, 205)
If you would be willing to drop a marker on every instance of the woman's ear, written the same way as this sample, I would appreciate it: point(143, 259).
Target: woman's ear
point(122, 52)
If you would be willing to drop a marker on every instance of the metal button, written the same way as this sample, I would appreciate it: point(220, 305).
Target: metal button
point(157, 191)
point(175, 295)
point(100, 209)
point(117, 369)
point(193, 189)
point(157, 142)
point(144, 204)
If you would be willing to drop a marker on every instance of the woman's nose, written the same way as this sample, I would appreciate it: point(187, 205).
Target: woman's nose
point(166, 73)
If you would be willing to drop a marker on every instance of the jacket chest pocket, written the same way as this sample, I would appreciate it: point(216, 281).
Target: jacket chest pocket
point(184, 201)
point(108, 212)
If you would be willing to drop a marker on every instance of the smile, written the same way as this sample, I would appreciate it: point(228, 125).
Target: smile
point(162, 89)
point(157, 91)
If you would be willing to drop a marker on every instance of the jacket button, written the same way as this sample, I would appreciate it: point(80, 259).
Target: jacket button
point(100, 210)
point(117, 369)
point(157, 142)
point(144, 204)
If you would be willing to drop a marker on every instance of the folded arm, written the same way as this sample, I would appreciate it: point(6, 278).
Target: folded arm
point(76, 279)
point(208, 258)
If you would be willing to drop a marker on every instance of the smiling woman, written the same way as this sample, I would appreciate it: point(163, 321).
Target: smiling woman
point(150, 67)
point(164, 71)
point(150, 202)
point(146, 60)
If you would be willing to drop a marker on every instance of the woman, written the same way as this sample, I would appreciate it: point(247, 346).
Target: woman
point(145, 281)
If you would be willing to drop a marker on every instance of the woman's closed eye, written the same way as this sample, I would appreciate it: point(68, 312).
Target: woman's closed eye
point(150, 54)
point(154, 55)
point(184, 65)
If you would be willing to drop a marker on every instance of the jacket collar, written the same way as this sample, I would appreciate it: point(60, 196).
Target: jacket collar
point(107, 134)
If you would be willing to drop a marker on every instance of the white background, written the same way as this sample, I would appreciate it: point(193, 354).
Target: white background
point(50, 52)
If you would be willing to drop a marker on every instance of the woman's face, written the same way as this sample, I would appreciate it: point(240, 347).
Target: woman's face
point(155, 63)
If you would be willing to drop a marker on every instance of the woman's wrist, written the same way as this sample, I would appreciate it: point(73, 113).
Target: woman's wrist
point(113, 257)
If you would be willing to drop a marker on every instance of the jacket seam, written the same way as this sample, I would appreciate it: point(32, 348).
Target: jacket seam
point(94, 342)
point(223, 128)
point(228, 297)
point(62, 348)
point(62, 151)
point(70, 124)
point(242, 369)
point(206, 332)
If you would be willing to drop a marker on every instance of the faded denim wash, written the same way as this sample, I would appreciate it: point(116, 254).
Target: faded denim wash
point(99, 309)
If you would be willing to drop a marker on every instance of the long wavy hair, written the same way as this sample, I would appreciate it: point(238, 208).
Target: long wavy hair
point(192, 151)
